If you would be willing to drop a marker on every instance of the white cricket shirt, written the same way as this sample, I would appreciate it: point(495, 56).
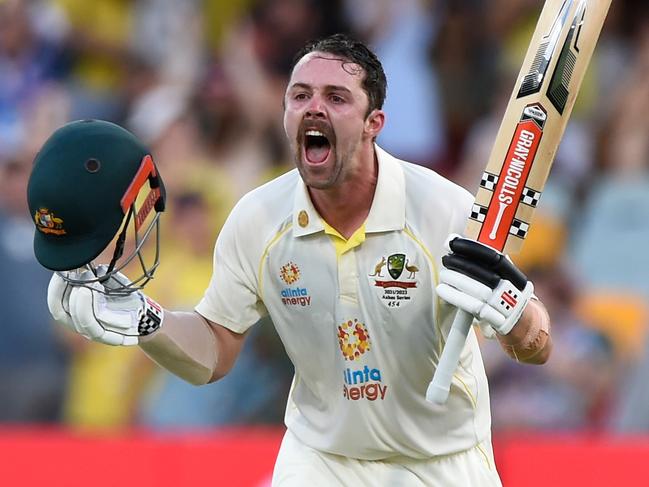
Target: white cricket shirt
point(363, 328)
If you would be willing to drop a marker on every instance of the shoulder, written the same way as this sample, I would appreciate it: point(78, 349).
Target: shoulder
point(421, 184)
point(263, 210)
point(420, 179)
point(426, 187)
point(272, 199)
point(435, 205)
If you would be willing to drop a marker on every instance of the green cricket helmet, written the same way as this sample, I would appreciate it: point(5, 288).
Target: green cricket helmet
point(82, 193)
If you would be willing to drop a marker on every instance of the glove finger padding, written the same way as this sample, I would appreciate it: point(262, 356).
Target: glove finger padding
point(459, 299)
point(471, 296)
point(120, 312)
point(99, 319)
point(474, 254)
point(464, 266)
point(58, 301)
point(484, 283)
point(95, 313)
point(466, 284)
point(82, 310)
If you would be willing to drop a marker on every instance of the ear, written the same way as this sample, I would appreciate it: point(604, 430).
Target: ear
point(374, 123)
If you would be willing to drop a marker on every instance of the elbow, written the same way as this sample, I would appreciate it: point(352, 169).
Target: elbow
point(195, 382)
point(196, 376)
point(541, 356)
point(195, 379)
point(220, 371)
point(216, 376)
point(544, 354)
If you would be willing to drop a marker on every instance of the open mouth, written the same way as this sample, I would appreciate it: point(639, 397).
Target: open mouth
point(316, 147)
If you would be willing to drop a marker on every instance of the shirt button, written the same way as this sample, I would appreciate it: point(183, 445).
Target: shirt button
point(303, 218)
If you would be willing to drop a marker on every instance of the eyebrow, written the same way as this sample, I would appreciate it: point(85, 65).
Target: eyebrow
point(327, 87)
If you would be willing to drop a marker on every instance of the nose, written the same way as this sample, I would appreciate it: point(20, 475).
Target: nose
point(315, 109)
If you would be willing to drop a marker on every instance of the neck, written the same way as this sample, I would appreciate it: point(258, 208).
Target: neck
point(345, 207)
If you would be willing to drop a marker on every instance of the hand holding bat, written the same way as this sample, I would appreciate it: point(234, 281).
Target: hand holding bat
point(484, 283)
point(528, 138)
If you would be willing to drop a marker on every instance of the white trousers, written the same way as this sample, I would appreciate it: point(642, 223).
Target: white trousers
point(298, 465)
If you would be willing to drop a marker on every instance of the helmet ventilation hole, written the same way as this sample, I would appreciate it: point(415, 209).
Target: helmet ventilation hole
point(92, 165)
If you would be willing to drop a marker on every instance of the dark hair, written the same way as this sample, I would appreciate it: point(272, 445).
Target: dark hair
point(374, 83)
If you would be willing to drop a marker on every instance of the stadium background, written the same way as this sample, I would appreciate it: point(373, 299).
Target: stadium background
point(201, 83)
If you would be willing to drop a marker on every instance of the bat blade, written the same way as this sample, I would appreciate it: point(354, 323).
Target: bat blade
point(527, 141)
point(534, 122)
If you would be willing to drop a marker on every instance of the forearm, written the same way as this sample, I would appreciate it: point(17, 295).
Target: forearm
point(529, 341)
point(186, 345)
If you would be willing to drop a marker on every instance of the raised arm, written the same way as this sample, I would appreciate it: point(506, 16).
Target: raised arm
point(193, 348)
point(185, 343)
point(486, 284)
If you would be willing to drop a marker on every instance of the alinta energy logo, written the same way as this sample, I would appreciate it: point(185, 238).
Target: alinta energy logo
point(293, 296)
point(353, 338)
point(365, 383)
point(289, 273)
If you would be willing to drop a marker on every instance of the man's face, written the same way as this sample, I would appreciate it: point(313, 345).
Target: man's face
point(324, 118)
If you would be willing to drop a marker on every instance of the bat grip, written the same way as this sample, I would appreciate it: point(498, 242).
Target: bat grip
point(439, 387)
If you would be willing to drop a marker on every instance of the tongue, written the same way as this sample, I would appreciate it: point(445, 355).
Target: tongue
point(317, 154)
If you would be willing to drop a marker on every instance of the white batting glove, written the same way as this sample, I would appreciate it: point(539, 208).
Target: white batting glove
point(58, 300)
point(100, 317)
point(484, 283)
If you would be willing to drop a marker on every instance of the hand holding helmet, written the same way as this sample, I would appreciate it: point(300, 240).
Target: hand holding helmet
point(83, 194)
point(91, 311)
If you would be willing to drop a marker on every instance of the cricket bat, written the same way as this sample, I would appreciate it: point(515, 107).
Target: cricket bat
point(527, 141)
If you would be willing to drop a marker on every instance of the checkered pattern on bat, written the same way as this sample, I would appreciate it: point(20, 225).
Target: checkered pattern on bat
point(489, 181)
point(478, 213)
point(519, 228)
point(530, 197)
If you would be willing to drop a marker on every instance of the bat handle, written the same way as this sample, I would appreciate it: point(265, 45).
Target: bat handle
point(439, 387)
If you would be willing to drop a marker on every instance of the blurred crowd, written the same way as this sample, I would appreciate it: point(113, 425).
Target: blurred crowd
point(201, 82)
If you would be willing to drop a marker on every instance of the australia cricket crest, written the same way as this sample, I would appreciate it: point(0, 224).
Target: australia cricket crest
point(394, 279)
point(395, 265)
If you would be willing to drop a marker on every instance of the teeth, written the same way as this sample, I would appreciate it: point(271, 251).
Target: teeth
point(315, 133)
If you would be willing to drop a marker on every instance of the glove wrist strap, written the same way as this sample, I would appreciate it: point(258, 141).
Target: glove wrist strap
point(150, 316)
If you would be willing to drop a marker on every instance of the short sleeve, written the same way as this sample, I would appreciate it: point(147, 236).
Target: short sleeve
point(232, 298)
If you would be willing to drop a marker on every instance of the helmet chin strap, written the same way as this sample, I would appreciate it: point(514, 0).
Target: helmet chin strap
point(119, 246)
point(104, 273)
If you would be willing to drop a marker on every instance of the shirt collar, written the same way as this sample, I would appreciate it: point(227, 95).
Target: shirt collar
point(388, 210)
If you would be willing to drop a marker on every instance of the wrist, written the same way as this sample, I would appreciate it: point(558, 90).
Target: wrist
point(529, 340)
point(186, 346)
point(150, 317)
